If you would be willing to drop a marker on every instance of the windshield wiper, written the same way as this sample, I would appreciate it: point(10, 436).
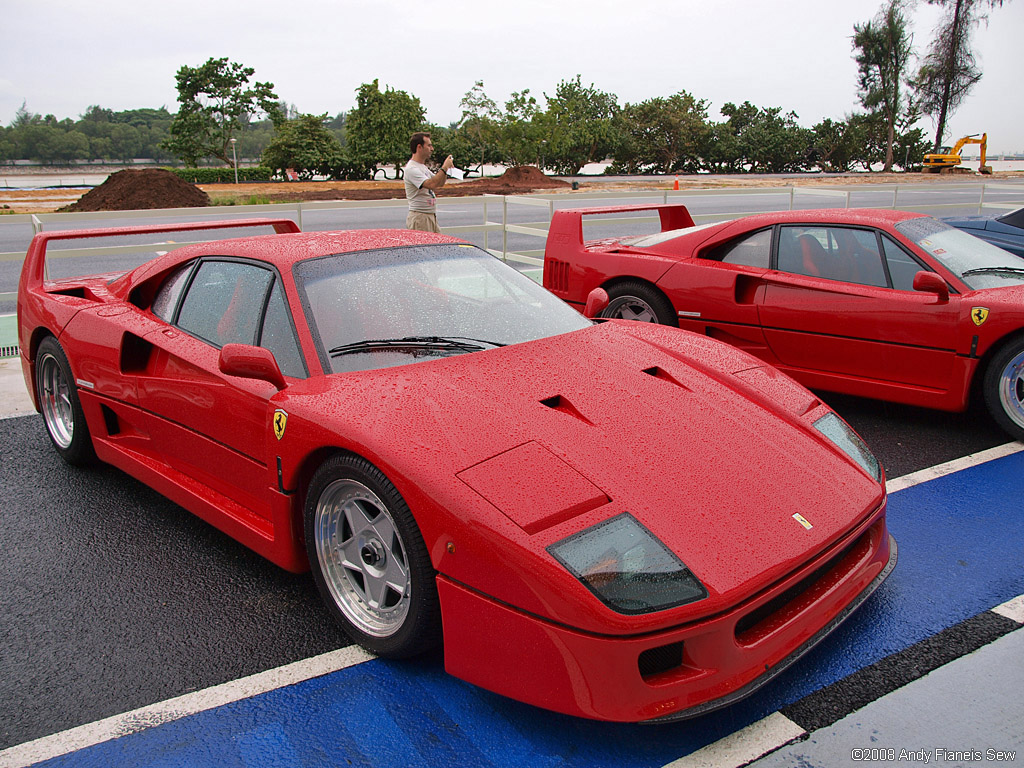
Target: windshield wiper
point(994, 270)
point(462, 343)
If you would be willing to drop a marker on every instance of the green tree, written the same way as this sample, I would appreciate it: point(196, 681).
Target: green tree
point(216, 103)
point(662, 135)
point(883, 49)
point(378, 129)
point(949, 70)
point(521, 131)
point(303, 144)
point(479, 128)
point(581, 124)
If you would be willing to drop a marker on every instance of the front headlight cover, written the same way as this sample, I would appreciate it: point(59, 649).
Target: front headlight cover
point(839, 432)
point(627, 567)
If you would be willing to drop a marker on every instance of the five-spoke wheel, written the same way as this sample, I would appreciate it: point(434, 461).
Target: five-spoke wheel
point(369, 559)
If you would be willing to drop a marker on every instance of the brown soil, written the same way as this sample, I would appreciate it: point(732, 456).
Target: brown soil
point(142, 193)
point(131, 190)
point(515, 181)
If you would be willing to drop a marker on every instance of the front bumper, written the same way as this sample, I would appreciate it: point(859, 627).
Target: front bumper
point(673, 674)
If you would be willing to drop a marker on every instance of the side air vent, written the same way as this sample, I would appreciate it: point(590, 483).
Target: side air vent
point(135, 353)
point(661, 373)
point(556, 276)
point(559, 403)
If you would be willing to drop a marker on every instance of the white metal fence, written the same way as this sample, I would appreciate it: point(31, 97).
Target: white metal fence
point(495, 209)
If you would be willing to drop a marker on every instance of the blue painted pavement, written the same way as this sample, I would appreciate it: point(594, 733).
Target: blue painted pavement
point(961, 547)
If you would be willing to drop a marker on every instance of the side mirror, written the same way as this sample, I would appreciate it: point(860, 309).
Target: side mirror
point(597, 302)
point(250, 362)
point(929, 282)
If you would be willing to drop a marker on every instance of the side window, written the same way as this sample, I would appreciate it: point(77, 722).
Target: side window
point(902, 266)
point(224, 303)
point(833, 253)
point(753, 250)
point(278, 335)
point(166, 300)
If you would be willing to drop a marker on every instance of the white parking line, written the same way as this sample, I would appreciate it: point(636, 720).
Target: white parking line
point(941, 470)
point(744, 746)
point(182, 706)
point(1012, 609)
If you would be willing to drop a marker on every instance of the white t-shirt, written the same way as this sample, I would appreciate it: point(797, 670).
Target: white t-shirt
point(420, 198)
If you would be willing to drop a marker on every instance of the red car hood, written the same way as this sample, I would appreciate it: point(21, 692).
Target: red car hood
point(564, 432)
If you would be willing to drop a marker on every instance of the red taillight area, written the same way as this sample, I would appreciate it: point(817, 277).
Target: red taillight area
point(676, 672)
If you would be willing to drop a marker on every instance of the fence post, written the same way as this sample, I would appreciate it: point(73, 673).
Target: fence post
point(895, 194)
point(981, 201)
point(298, 212)
point(792, 195)
point(504, 228)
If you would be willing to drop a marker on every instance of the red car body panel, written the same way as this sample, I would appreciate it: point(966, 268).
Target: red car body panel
point(500, 454)
point(905, 346)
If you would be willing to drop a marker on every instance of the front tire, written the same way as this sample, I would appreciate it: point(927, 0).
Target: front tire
point(62, 410)
point(638, 301)
point(369, 560)
point(1004, 388)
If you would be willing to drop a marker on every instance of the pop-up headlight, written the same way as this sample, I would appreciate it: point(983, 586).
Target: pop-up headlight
point(837, 430)
point(629, 569)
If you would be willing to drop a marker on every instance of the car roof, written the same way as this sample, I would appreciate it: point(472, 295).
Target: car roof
point(868, 217)
point(285, 250)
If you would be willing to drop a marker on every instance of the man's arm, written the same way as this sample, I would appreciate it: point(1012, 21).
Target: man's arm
point(438, 179)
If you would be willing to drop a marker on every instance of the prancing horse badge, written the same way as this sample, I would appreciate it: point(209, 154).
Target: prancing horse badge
point(280, 422)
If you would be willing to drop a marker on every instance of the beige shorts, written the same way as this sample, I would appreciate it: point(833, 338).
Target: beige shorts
point(424, 222)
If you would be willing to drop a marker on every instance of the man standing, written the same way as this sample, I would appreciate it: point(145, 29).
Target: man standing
point(420, 183)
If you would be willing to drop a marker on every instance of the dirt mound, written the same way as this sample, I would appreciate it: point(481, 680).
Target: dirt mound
point(136, 190)
point(516, 180)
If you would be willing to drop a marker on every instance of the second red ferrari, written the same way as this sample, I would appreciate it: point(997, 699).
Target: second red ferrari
point(876, 303)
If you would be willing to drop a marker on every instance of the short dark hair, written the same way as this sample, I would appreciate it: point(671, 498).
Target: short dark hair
point(417, 140)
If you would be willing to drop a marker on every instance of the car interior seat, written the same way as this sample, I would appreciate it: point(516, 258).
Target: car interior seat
point(812, 255)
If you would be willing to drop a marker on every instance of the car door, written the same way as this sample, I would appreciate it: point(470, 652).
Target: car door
point(211, 426)
point(840, 301)
point(715, 293)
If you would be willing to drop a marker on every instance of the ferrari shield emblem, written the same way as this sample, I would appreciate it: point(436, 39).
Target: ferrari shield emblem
point(280, 422)
point(979, 315)
point(803, 521)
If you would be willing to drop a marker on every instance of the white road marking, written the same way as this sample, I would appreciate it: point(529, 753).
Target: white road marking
point(744, 746)
point(181, 706)
point(1012, 609)
point(941, 470)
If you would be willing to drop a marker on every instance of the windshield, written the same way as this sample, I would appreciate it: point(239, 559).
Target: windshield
point(977, 263)
point(376, 309)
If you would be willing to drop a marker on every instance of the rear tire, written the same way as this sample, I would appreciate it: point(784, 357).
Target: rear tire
point(638, 301)
point(1004, 388)
point(62, 410)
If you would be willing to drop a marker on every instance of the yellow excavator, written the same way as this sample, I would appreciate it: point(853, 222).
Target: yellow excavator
point(948, 159)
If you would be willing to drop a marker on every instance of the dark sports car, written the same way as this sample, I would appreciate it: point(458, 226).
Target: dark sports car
point(1006, 231)
point(616, 521)
point(876, 303)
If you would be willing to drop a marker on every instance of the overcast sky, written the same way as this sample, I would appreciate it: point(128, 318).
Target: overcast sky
point(61, 56)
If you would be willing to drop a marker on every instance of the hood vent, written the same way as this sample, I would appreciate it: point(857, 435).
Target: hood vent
point(559, 403)
point(661, 373)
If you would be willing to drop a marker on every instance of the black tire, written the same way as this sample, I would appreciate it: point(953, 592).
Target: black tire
point(1004, 387)
point(369, 560)
point(638, 301)
point(59, 403)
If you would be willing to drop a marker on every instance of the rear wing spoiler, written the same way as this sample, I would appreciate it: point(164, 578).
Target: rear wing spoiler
point(566, 230)
point(32, 273)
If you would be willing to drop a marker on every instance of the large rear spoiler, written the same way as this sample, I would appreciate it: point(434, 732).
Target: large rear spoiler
point(566, 230)
point(32, 273)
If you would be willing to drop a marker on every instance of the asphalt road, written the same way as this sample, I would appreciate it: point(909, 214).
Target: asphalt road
point(114, 598)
